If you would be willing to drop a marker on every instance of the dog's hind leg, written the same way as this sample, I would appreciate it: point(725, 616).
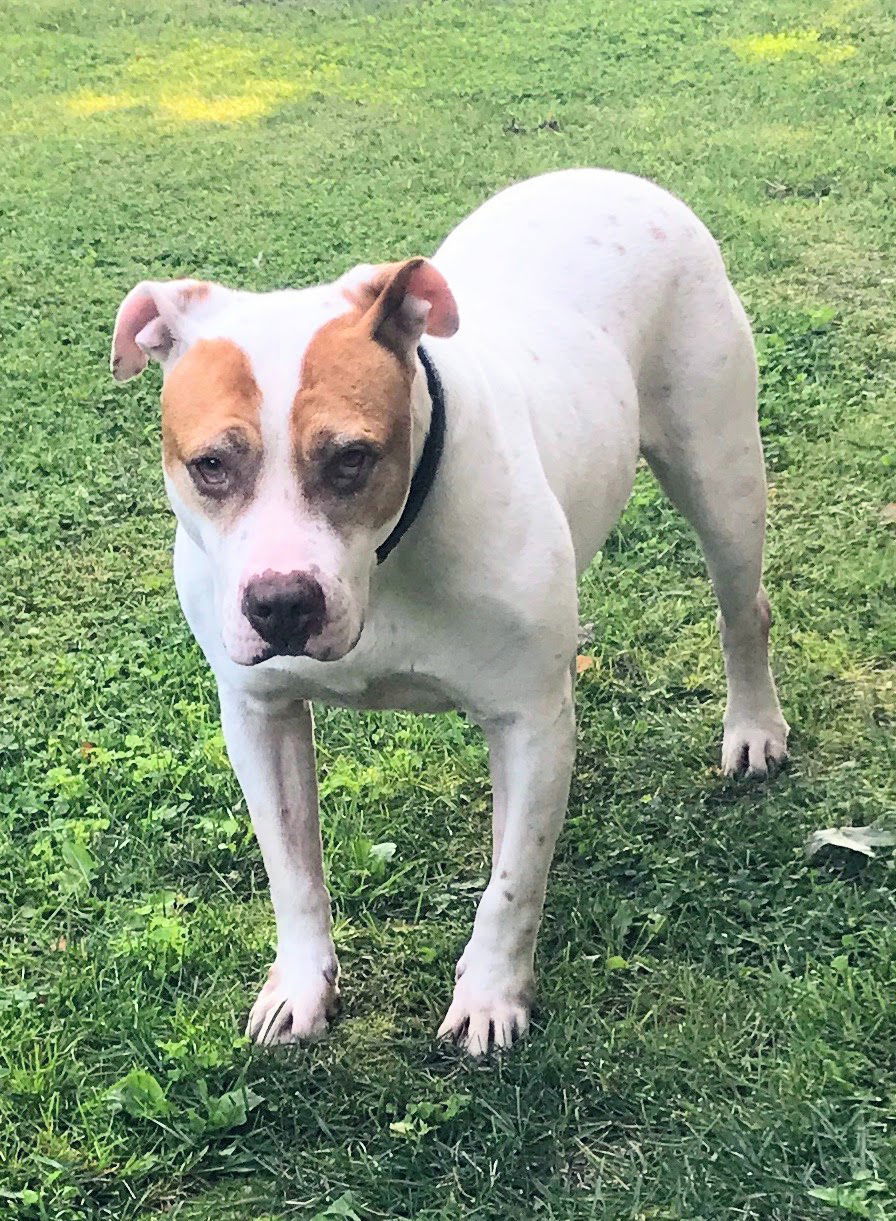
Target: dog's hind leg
point(700, 434)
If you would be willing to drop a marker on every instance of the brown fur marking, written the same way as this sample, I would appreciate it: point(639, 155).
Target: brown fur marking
point(210, 400)
point(192, 294)
point(354, 389)
point(209, 391)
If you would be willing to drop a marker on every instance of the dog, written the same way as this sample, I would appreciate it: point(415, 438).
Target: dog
point(386, 488)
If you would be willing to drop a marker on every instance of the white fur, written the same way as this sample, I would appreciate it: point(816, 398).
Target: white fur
point(596, 321)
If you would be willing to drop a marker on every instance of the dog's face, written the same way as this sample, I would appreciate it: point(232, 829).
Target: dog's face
point(287, 439)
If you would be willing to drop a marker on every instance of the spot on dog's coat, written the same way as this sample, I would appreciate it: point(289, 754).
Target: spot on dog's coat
point(355, 389)
point(192, 294)
point(210, 391)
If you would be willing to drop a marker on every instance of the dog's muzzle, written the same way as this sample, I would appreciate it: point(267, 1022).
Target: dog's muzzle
point(286, 610)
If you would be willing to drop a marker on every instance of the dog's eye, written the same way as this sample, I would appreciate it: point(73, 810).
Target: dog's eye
point(347, 468)
point(210, 471)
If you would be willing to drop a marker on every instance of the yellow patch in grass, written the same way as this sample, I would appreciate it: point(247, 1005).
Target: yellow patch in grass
point(772, 47)
point(194, 108)
point(86, 103)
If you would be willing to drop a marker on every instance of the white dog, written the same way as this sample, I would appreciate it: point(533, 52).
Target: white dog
point(378, 524)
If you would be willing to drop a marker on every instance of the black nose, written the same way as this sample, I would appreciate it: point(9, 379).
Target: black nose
point(285, 608)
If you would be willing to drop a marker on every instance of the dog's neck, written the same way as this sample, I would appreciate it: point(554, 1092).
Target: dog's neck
point(427, 436)
point(421, 412)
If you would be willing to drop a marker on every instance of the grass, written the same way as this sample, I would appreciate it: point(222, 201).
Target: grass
point(717, 1030)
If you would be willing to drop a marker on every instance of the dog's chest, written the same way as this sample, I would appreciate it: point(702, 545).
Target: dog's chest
point(411, 692)
point(392, 667)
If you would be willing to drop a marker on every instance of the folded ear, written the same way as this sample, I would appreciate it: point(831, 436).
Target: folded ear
point(153, 319)
point(401, 301)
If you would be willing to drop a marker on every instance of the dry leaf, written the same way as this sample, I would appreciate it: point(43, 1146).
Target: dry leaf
point(60, 945)
point(586, 634)
point(584, 663)
point(853, 839)
point(888, 514)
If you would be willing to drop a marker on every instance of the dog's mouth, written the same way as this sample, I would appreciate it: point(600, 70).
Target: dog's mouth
point(300, 648)
point(281, 648)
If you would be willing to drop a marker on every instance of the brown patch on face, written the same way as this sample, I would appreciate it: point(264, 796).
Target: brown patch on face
point(210, 411)
point(355, 392)
point(208, 392)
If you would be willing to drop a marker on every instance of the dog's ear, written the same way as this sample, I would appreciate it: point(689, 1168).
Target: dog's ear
point(401, 301)
point(153, 319)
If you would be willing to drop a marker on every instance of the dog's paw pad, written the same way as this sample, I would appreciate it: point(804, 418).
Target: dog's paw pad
point(485, 1020)
point(754, 749)
point(293, 1007)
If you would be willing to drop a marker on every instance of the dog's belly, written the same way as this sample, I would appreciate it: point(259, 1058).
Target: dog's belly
point(419, 693)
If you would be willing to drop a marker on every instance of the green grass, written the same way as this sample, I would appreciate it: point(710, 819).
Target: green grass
point(717, 1028)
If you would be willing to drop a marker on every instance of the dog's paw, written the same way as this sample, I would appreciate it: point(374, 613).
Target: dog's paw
point(294, 1005)
point(487, 1014)
point(750, 748)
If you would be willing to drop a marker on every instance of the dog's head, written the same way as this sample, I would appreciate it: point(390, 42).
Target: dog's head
point(287, 438)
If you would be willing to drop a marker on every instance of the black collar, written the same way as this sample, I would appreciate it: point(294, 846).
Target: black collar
point(425, 474)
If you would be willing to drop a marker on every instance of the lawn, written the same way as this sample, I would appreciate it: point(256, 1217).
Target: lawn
point(716, 1033)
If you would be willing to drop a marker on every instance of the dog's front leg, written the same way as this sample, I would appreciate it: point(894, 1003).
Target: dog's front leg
point(533, 757)
point(272, 752)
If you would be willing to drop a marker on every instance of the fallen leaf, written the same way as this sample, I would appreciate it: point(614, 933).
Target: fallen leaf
point(586, 634)
point(86, 748)
point(888, 514)
point(853, 839)
point(584, 663)
point(61, 944)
